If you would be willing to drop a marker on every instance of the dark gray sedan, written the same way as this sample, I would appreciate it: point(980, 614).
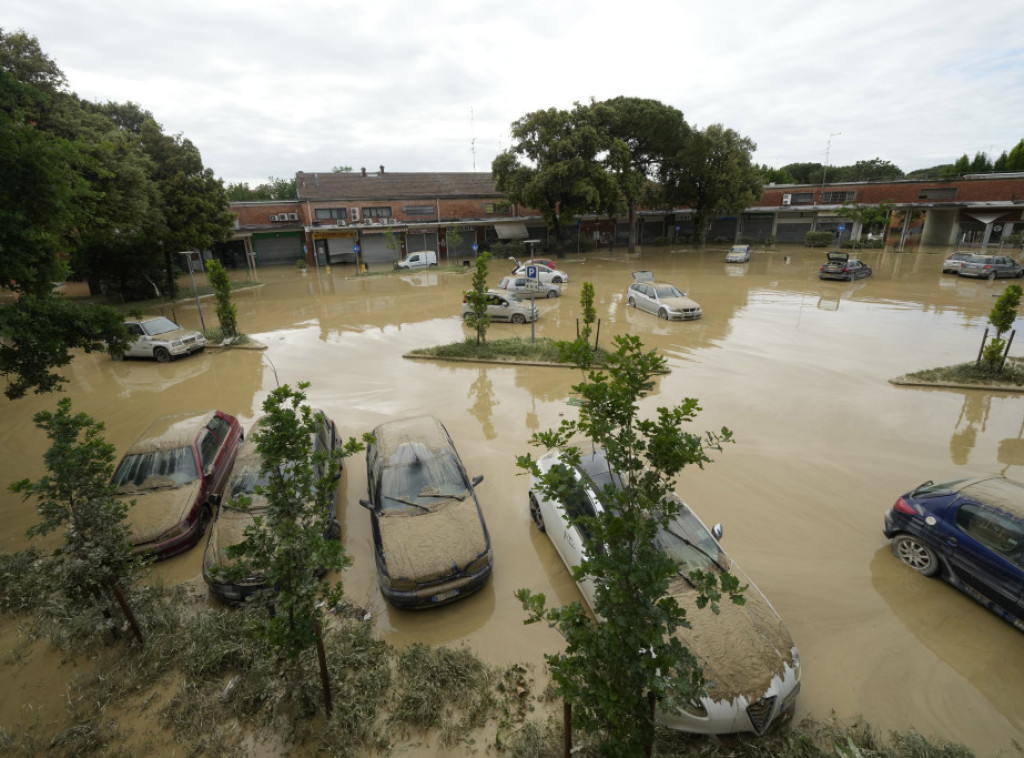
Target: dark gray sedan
point(991, 267)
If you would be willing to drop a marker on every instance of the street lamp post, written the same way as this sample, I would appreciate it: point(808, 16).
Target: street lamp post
point(192, 276)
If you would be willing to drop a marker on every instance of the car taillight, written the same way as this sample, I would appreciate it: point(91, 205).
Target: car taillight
point(903, 506)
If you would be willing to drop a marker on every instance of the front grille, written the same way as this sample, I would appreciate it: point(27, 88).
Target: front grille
point(760, 713)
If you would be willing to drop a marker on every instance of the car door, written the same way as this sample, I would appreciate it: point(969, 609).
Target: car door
point(645, 299)
point(567, 538)
point(497, 308)
point(140, 347)
point(218, 446)
point(987, 555)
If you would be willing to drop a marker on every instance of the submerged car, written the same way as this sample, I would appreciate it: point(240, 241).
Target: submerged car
point(738, 254)
point(991, 267)
point(504, 306)
point(955, 262)
point(842, 266)
point(751, 666)
point(431, 543)
point(971, 533)
point(660, 298)
point(547, 274)
point(520, 285)
point(162, 339)
point(172, 471)
point(231, 521)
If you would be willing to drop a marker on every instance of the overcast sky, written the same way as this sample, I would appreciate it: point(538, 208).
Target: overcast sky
point(270, 88)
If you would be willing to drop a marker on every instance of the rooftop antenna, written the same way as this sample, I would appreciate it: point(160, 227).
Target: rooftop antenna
point(472, 137)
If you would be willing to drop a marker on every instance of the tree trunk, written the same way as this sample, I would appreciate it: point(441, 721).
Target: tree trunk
point(325, 678)
point(632, 228)
point(126, 609)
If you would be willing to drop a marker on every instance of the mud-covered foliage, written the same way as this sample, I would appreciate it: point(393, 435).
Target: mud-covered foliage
point(1012, 374)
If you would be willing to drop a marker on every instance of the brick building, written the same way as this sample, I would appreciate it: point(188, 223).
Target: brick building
point(388, 215)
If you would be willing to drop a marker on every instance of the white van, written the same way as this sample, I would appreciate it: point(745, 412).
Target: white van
point(422, 259)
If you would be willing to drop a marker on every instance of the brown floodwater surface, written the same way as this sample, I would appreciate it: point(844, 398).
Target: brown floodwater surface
point(796, 367)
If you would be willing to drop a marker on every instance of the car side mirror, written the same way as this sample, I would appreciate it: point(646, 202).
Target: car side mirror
point(477, 479)
point(717, 531)
point(366, 504)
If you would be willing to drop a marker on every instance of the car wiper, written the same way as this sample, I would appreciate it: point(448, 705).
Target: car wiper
point(698, 548)
point(408, 502)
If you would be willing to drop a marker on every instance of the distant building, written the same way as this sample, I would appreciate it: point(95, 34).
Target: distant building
point(337, 213)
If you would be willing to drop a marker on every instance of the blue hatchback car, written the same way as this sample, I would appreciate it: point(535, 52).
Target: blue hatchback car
point(971, 533)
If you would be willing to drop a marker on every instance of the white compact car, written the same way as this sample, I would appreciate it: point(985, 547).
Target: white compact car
point(546, 274)
point(751, 666)
point(162, 339)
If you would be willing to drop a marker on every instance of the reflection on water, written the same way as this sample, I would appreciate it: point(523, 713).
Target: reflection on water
point(798, 368)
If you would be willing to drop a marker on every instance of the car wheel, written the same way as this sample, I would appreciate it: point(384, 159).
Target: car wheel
point(162, 355)
point(916, 554)
point(1020, 273)
point(118, 357)
point(467, 315)
point(556, 280)
point(552, 293)
point(632, 303)
point(518, 318)
point(535, 514)
point(333, 530)
point(991, 275)
point(663, 314)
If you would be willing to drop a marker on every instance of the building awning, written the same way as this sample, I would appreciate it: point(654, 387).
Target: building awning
point(512, 230)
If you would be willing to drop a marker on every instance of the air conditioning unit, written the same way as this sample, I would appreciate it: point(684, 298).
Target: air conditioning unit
point(354, 213)
point(391, 221)
point(787, 199)
point(273, 217)
point(293, 216)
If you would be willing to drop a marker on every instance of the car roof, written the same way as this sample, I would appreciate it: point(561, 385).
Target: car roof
point(171, 432)
point(416, 437)
point(1005, 494)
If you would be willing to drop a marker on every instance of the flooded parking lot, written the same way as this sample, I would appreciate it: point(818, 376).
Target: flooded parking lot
point(796, 367)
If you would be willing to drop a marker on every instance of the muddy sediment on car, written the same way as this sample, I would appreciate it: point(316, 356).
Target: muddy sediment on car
point(742, 648)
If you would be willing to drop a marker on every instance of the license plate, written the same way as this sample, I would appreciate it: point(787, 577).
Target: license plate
point(440, 597)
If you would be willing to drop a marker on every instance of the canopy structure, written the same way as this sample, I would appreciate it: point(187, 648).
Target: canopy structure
point(511, 230)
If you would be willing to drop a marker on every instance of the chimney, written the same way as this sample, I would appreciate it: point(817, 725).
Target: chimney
point(382, 169)
point(363, 169)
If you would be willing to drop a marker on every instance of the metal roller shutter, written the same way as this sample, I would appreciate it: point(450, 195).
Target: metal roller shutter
point(277, 248)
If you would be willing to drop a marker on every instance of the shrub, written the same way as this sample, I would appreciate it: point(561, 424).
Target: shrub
point(819, 239)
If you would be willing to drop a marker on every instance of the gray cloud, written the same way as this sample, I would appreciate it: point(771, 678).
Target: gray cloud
point(267, 89)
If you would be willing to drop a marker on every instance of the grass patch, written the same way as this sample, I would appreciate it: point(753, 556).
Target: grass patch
point(514, 349)
point(973, 373)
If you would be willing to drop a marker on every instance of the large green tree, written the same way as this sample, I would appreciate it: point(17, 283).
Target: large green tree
point(272, 189)
point(43, 191)
point(713, 174)
point(609, 668)
point(554, 167)
point(638, 135)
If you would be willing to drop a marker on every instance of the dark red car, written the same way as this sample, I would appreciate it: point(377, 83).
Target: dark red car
point(170, 472)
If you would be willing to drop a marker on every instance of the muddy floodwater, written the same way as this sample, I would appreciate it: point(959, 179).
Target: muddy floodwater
point(796, 367)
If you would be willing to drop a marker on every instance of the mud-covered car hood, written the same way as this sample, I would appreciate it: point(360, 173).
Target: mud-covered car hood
point(158, 510)
point(229, 530)
point(743, 648)
point(429, 546)
point(680, 303)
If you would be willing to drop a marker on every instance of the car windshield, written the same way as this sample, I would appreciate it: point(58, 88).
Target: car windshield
point(159, 326)
point(163, 468)
point(667, 290)
point(417, 478)
point(688, 543)
point(513, 297)
point(738, 249)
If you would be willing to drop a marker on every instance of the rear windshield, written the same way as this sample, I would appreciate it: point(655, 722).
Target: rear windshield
point(165, 468)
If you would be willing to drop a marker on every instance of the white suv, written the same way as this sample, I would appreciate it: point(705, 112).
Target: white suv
point(162, 339)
